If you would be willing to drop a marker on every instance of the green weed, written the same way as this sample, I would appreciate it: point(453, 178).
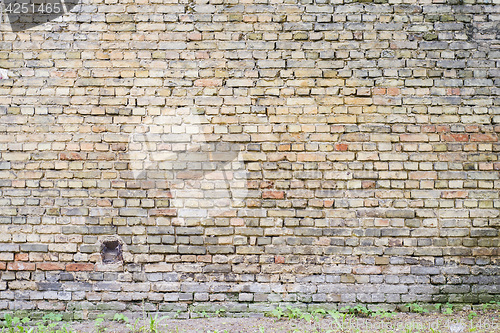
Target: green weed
point(98, 324)
point(318, 314)
point(48, 324)
point(417, 308)
point(383, 314)
point(448, 310)
point(276, 312)
point(15, 324)
point(491, 305)
point(359, 310)
point(120, 317)
point(340, 318)
point(293, 313)
point(154, 323)
point(472, 315)
point(220, 312)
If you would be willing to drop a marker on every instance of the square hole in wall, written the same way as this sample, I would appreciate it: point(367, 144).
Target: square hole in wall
point(111, 252)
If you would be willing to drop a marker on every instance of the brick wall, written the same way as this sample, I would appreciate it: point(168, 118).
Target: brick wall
point(247, 153)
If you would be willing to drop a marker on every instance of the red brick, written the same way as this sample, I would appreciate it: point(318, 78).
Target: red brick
point(50, 266)
point(393, 91)
point(479, 137)
point(3, 266)
point(21, 266)
point(208, 82)
point(341, 146)
point(266, 184)
point(204, 258)
point(21, 257)
point(379, 91)
point(273, 195)
point(284, 147)
point(328, 203)
point(368, 184)
point(455, 137)
point(70, 156)
point(442, 128)
point(471, 128)
point(279, 259)
point(454, 194)
point(79, 267)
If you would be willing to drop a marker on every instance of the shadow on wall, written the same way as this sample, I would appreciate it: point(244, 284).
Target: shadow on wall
point(204, 174)
point(26, 14)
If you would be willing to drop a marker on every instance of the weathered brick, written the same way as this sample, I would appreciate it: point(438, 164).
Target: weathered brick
point(77, 267)
point(287, 152)
point(50, 266)
point(20, 266)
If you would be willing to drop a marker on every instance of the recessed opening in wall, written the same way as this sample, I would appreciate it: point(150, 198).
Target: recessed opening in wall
point(111, 252)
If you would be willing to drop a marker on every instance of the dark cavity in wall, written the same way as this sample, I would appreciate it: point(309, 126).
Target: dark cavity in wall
point(111, 252)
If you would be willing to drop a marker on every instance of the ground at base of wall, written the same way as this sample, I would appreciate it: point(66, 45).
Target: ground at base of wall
point(460, 322)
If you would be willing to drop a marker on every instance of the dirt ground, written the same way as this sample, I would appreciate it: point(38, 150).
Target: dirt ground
point(460, 322)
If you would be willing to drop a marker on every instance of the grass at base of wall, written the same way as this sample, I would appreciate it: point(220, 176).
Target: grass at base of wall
point(153, 322)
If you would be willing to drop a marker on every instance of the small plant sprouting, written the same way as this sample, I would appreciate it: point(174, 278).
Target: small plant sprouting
point(336, 315)
point(15, 324)
point(120, 317)
point(417, 308)
point(318, 314)
point(49, 323)
point(98, 324)
point(276, 312)
point(383, 314)
point(491, 304)
point(472, 315)
point(154, 323)
point(220, 312)
point(448, 309)
point(293, 313)
point(177, 314)
point(358, 309)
